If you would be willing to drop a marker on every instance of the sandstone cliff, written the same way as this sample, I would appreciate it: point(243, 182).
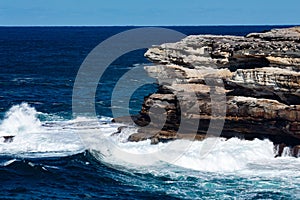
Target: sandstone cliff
point(260, 74)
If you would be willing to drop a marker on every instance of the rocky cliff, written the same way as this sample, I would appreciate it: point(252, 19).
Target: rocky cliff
point(260, 75)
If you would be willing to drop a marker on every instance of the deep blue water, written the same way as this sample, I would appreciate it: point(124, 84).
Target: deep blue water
point(38, 65)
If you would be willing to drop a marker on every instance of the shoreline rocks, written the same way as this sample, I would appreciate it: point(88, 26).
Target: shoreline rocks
point(260, 76)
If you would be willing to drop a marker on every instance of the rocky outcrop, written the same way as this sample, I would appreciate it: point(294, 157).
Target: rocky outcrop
point(289, 34)
point(284, 150)
point(259, 74)
point(278, 48)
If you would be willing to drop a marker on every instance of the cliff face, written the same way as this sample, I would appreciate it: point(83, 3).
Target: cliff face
point(261, 77)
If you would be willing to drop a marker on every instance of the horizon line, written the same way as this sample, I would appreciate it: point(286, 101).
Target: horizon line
point(149, 25)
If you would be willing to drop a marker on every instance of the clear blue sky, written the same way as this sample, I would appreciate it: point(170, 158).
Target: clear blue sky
point(148, 12)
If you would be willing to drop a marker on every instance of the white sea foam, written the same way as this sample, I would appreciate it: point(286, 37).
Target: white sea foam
point(20, 119)
point(227, 155)
point(247, 158)
point(59, 138)
point(33, 138)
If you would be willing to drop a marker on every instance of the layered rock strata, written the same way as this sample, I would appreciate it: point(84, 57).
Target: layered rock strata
point(259, 76)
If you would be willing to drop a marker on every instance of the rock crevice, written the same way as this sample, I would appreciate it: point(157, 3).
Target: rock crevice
point(261, 77)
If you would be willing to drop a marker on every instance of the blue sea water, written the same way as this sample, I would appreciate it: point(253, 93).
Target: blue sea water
point(49, 160)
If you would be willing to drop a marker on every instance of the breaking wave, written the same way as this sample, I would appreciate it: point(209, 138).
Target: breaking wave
point(36, 138)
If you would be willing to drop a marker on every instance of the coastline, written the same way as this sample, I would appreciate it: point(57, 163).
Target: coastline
point(261, 76)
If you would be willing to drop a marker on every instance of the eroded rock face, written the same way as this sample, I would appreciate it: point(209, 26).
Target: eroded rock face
point(255, 50)
point(260, 75)
point(286, 34)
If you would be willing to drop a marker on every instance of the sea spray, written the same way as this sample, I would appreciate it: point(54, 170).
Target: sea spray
point(62, 137)
point(35, 138)
point(20, 119)
point(227, 156)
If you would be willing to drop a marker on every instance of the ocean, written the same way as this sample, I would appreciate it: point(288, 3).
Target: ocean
point(49, 160)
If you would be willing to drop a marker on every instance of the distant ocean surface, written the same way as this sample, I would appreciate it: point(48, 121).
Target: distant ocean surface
point(47, 160)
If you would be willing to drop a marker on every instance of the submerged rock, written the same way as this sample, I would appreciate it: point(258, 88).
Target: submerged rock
point(8, 139)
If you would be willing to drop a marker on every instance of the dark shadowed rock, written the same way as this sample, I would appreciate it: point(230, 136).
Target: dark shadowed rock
point(261, 76)
point(8, 139)
point(296, 151)
point(119, 130)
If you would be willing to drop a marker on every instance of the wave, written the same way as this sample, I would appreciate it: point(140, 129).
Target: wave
point(234, 155)
point(226, 156)
point(35, 138)
point(20, 119)
point(57, 137)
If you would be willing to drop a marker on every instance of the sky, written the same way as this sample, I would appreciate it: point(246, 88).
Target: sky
point(148, 12)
